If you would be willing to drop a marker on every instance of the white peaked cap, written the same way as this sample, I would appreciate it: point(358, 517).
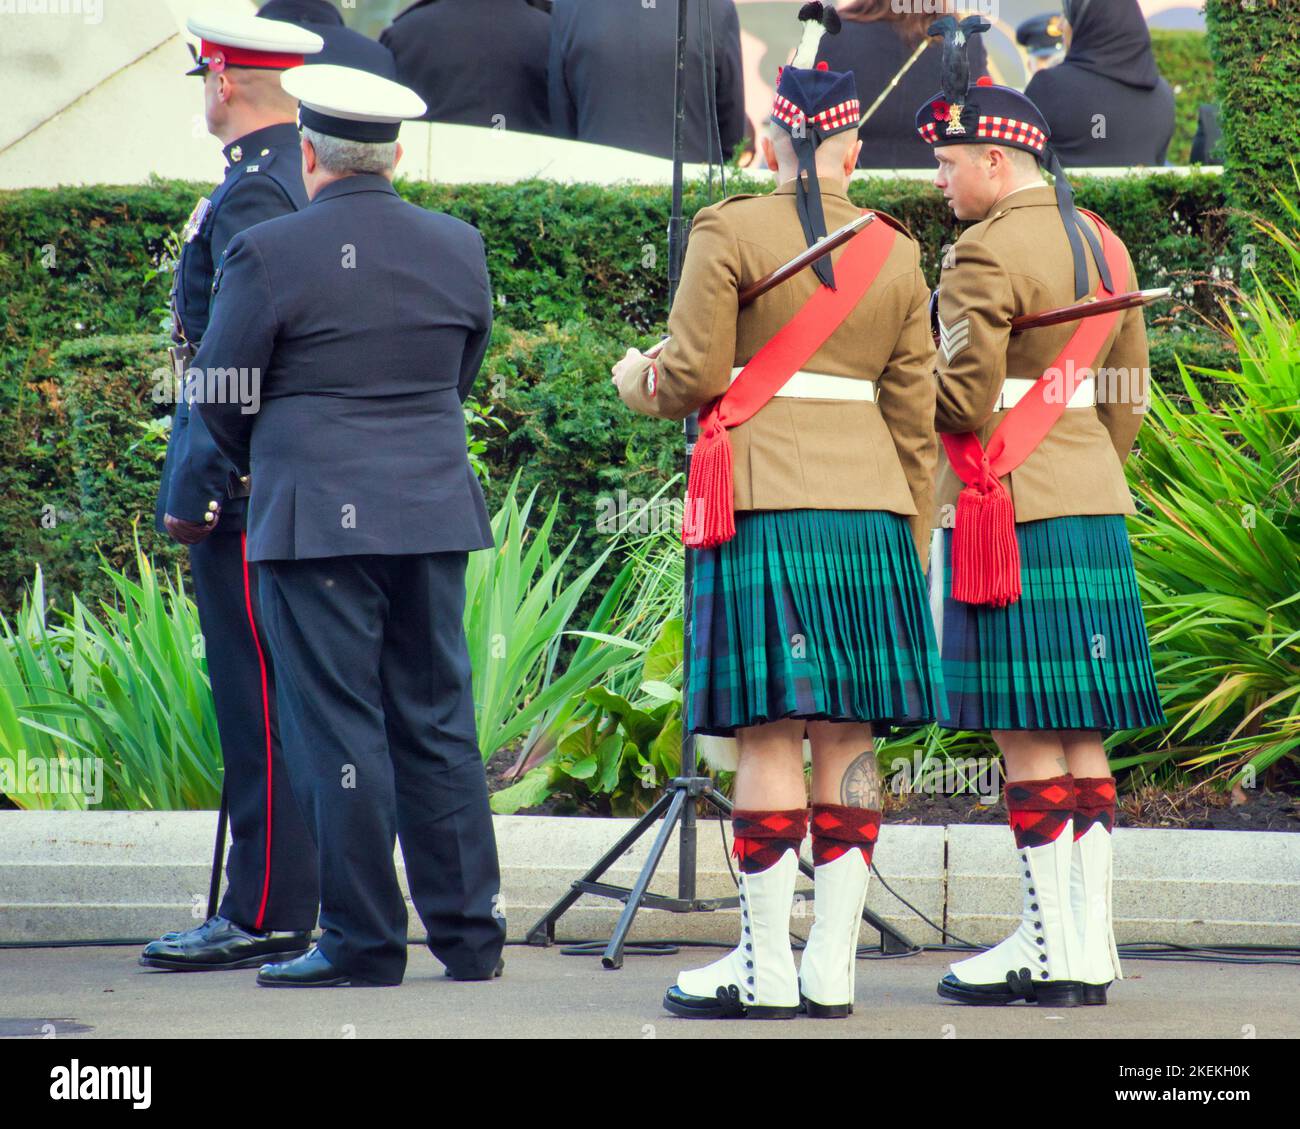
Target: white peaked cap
point(251, 33)
point(247, 41)
point(349, 103)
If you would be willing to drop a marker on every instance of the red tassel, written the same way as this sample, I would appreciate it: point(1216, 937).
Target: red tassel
point(985, 553)
point(710, 517)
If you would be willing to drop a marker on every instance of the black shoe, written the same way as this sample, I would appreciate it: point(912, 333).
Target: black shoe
point(815, 1010)
point(500, 968)
point(1047, 993)
point(1095, 994)
point(311, 970)
point(725, 1005)
point(220, 945)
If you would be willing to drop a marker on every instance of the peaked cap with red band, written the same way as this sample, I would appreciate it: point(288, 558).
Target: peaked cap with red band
point(249, 41)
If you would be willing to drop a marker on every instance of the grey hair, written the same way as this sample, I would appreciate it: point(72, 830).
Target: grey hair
point(342, 157)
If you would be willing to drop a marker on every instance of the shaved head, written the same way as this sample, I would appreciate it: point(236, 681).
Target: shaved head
point(262, 89)
point(830, 153)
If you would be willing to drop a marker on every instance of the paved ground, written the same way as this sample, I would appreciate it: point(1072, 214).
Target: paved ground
point(545, 993)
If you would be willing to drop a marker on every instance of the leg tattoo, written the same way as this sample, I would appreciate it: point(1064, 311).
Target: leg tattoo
point(860, 784)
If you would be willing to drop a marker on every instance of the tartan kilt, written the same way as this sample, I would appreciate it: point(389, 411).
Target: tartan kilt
point(1071, 653)
point(817, 614)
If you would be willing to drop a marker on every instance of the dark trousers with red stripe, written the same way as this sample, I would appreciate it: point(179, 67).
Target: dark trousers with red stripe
point(378, 720)
point(271, 865)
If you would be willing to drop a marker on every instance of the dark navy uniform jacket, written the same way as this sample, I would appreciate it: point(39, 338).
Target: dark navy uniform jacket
point(347, 48)
point(472, 60)
point(343, 46)
point(611, 76)
point(368, 319)
point(263, 181)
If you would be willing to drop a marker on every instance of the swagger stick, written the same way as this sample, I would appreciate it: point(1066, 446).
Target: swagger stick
point(1081, 310)
point(800, 262)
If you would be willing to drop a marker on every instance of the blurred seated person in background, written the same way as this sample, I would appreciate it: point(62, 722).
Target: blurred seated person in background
point(875, 43)
point(1105, 102)
point(1207, 144)
point(476, 62)
point(1043, 38)
point(612, 68)
point(343, 46)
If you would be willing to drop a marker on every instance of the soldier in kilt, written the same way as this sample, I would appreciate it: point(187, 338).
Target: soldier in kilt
point(1033, 587)
point(808, 513)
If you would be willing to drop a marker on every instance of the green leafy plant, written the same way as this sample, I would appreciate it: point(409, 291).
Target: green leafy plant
point(122, 688)
point(1218, 544)
point(619, 754)
point(518, 606)
point(479, 418)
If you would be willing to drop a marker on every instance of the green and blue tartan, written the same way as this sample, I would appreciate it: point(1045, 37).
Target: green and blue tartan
point(817, 614)
point(1071, 653)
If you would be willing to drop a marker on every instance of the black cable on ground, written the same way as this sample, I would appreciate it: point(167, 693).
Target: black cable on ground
point(1133, 950)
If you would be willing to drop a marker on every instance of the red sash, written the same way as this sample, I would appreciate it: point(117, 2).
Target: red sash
point(985, 553)
point(710, 516)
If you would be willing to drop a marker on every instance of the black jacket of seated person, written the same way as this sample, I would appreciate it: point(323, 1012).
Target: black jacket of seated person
point(1105, 102)
point(475, 62)
point(875, 51)
point(612, 68)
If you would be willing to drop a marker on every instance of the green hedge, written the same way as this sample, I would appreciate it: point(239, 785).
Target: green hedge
point(579, 272)
point(1255, 45)
point(1184, 60)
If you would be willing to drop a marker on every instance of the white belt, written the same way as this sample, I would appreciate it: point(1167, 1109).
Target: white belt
point(1016, 388)
point(823, 386)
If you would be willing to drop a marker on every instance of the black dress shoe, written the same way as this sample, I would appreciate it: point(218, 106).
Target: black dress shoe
point(823, 1011)
point(311, 970)
point(220, 945)
point(1095, 994)
point(725, 1005)
point(500, 968)
point(1046, 993)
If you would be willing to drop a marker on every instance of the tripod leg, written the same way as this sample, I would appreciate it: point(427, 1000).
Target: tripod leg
point(543, 931)
point(719, 801)
point(218, 856)
point(613, 957)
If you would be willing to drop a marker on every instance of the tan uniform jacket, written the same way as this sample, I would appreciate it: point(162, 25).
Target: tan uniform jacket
point(1018, 262)
point(804, 453)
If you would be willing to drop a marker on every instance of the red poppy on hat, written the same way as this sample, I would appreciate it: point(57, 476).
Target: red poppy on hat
point(940, 110)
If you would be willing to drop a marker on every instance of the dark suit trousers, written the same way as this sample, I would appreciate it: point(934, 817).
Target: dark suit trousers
point(378, 720)
point(271, 867)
